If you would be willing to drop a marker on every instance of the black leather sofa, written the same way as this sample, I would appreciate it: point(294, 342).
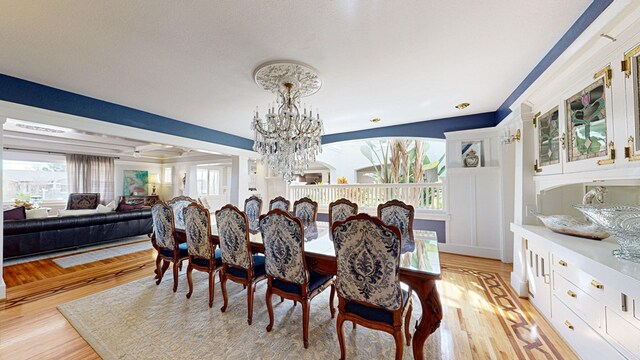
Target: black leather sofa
point(35, 236)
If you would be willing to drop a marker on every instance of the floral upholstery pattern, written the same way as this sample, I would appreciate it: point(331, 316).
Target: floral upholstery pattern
point(368, 256)
point(283, 244)
point(163, 225)
point(177, 205)
point(401, 218)
point(341, 212)
point(305, 211)
point(280, 205)
point(252, 208)
point(197, 230)
point(232, 232)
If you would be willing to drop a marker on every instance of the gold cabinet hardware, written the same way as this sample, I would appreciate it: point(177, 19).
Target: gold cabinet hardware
point(596, 284)
point(563, 141)
point(535, 119)
point(612, 155)
point(623, 302)
point(607, 73)
point(629, 150)
point(526, 243)
point(572, 294)
point(562, 263)
point(568, 324)
point(536, 168)
point(547, 279)
point(626, 63)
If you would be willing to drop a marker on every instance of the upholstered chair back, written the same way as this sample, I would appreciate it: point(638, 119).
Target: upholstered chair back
point(177, 205)
point(340, 210)
point(400, 215)
point(198, 230)
point(306, 210)
point(163, 225)
point(233, 232)
point(253, 208)
point(279, 203)
point(368, 257)
point(82, 201)
point(283, 238)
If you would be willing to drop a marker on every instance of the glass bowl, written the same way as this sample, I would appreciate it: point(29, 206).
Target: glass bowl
point(623, 222)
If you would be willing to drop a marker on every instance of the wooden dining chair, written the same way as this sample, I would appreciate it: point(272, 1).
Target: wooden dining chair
point(400, 215)
point(286, 267)
point(177, 204)
point(253, 209)
point(368, 279)
point(203, 255)
point(306, 210)
point(279, 203)
point(340, 210)
point(238, 264)
point(166, 242)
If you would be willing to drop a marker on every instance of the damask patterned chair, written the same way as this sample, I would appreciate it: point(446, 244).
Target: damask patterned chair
point(177, 205)
point(340, 210)
point(83, 201)
point(306, 210)
point(253, 208)
point(165, 239)
point(279, 203)
point(368, 282)
point(287, 274)
point(203, 255)
point(237, 262)
point(400, 215)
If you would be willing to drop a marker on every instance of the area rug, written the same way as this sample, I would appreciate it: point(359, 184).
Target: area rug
point(91, 256)
point(140, 320)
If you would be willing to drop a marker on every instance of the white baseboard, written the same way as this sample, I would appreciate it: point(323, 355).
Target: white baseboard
point(470, 250)
point(519, 285)
point(3, 289)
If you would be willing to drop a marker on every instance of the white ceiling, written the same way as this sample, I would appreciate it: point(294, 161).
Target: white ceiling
point(402, 61)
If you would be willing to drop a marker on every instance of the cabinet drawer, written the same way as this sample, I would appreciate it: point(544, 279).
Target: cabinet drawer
point(583, 280)
point(582, 338)
point(587, 307)
point(623, 332)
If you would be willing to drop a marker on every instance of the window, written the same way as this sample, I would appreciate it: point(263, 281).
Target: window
point(34, 181)
point(168, 175)
point(208, 182)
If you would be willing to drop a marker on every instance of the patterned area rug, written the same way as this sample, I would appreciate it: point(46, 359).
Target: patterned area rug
point(143, 321)
point(91, 256)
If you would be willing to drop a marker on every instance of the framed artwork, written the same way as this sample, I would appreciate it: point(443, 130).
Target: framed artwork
point(587, 123)
point(549, 137)
point(135, 182)
point(472, 153)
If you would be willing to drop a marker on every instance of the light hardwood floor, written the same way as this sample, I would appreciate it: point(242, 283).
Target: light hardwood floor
point(32, 328)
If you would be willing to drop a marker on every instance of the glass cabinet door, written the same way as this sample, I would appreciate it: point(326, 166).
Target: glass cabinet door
point(631, 68)
point(548, 142)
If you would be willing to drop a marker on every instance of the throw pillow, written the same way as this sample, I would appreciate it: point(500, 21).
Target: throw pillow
point(112, 205)
point(37, 213)
point(129, 207)
point(17, 213)
point(103, 209)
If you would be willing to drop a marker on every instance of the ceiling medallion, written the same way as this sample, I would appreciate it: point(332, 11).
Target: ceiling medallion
point(289, 138)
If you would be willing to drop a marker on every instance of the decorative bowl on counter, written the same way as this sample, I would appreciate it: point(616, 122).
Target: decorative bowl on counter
point(565, 224)
point(623, 221)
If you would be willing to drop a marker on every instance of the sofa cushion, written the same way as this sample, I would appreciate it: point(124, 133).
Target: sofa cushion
point(63, 213)
point(17, 213)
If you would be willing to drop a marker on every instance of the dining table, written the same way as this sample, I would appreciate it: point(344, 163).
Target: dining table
point(419, 270)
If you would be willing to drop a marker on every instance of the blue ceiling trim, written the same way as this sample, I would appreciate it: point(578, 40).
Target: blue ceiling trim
point(428, 129)
point(29, 93)
point(593, 11)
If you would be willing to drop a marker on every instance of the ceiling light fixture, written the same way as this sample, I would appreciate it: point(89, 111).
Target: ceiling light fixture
point(462, 106)
point(375, 120)
point(289, 138)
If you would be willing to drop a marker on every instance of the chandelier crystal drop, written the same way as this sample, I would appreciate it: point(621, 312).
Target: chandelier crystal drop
point(289, 138)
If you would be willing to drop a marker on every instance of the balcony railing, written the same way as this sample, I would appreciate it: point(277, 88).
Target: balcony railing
point(425, 196)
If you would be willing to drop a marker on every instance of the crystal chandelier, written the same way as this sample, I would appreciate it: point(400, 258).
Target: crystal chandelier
point(289, 138)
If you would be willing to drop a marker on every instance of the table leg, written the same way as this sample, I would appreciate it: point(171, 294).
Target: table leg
point(430, 319)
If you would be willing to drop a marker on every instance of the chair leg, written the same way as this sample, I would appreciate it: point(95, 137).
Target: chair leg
point(339, 328)
point(189, 280)
point(157, 269)
point(269, 308)
point(211, 287)
point(305, 322)
point(333, 293)
point(175, 276)
point(250, 302)
point(397, 336)
point(165, 266)
point(223, 284)
point(281, 299)
point(407, 320)
point(354, 324)
point(180, 266)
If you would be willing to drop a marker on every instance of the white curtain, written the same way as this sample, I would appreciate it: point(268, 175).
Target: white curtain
point(91, 174)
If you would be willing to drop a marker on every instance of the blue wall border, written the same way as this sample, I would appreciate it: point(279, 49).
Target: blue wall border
point(25, 92)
